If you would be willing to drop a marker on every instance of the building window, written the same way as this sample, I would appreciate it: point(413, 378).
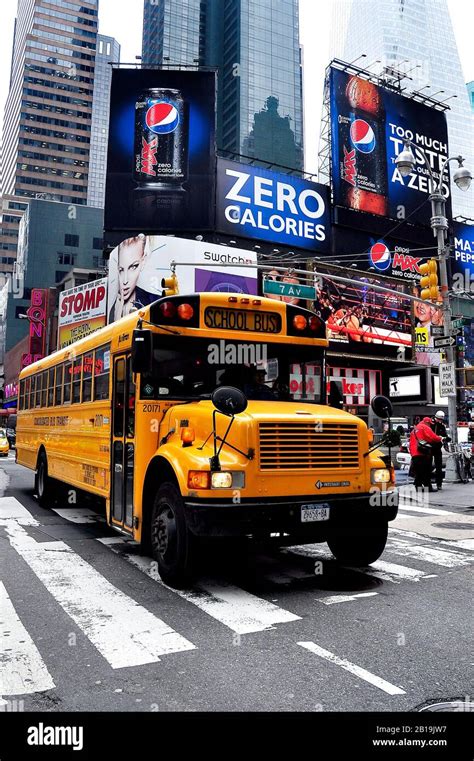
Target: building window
point(71, 240)
point(98, 244)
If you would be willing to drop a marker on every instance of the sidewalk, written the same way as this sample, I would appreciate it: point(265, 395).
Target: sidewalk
point(447, 514)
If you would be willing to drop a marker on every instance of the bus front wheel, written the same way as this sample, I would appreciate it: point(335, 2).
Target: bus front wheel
point(361, 547)
point(172, 544)
point(43, 483)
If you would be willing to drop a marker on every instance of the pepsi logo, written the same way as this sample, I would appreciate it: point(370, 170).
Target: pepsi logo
point(362, 136)
point(380, 256)
point(162, 118)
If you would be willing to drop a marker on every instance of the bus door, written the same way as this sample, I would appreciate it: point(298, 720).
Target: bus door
point(123, 442)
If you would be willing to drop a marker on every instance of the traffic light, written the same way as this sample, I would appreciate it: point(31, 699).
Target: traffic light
point(429, 281)
point(170, 286)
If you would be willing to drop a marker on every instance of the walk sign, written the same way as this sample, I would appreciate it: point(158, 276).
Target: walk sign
point(447, 379)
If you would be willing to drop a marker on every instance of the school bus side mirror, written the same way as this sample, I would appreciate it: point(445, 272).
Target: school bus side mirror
point(142, 351)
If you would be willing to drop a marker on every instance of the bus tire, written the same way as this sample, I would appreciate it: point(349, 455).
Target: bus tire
point(172, 543)
point(43, 483)
point(362, 547)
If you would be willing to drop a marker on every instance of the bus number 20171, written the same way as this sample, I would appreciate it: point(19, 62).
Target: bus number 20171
point(151, 408)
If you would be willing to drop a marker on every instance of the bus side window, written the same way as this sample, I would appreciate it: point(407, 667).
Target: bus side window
point(27, 394)
point(22, 395)
point(44, 393)
point(76, 381)
point(67, 383)
point(51, 387)
point(59, 385)
point(38, 390)
point(87, 377)
point(32, 391)
point(101, 373)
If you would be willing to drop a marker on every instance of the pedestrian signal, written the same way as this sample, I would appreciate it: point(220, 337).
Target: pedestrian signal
point(170, 286)
point(429, 281)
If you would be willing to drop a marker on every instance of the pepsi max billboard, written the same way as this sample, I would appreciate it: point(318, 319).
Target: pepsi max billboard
point(388, 256)
point(161, 151)
point(462, 257)
point(368, 127)
point(257, 203)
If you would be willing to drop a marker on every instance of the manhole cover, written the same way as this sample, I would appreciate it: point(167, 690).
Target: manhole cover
point(466, 526)
point(455, 705)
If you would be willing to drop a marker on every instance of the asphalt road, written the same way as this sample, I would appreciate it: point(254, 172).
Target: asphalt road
point(87, 624)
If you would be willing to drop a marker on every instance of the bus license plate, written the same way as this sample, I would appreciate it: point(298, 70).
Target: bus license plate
point(311, 513)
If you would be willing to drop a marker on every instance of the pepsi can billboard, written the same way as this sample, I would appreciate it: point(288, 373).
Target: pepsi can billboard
point(161, 151)
point(369, 124)
point(257, 203)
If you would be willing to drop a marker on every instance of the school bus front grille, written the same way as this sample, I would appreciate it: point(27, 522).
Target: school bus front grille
point(299, 446)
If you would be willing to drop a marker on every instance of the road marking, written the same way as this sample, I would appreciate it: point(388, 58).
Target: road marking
point(232, 606)
point(376, 681)
point(381, 569)
point(12, 509)
point(428, 510)
point(123, 631)
point(79, 514)
point(455, 544)
point(344, 598)
point(391, 572)
point(445, 558)
point(22, 669)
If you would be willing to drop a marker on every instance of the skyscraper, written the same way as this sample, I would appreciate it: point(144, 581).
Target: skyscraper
point(48, 111)
point(470, 90)
point(254, 44)
point(108, 51)
point(415, 37)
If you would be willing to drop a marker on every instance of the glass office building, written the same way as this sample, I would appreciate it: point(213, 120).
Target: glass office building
point(260, 103)
point(415, 37)
point(108, 51)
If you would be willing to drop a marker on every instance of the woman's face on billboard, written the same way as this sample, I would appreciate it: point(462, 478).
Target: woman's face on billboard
point(423, 312)
point(130, 261)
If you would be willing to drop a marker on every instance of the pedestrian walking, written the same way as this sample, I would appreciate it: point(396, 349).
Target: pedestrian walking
point(422, 439)
point(438, 426)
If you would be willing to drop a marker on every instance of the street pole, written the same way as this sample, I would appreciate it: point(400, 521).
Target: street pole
point(439, 224)
point(405, 163)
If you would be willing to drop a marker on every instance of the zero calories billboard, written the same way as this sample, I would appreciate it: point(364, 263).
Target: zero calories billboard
point(161, 151)
point(368, 126)
point(257, 203)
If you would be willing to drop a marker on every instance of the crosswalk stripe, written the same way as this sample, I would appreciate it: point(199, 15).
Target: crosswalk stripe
point(334, 599)
point(79, 514)
point(12, 509)
point(362, 673)
point(232, 606)
point(22, 669)
point(408, 507)
point(123, 631)
point(381, 569)
point(441, 557)
point(454, 544)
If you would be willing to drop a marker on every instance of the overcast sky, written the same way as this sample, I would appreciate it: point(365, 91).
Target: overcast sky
point(122, 19)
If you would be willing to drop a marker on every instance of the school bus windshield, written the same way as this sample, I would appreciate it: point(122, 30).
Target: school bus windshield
point(193, 367)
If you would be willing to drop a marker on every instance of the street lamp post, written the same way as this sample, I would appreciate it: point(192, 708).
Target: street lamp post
point(405, 163)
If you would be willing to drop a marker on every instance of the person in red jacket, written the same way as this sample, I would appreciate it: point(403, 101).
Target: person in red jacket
point(421, 462)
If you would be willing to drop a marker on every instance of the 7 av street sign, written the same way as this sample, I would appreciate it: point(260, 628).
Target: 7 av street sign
point(289, 289)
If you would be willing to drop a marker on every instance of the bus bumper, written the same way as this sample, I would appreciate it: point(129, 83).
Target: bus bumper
point(225, 518)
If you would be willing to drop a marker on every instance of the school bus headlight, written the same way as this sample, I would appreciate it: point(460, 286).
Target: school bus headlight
point(221, 480)
point(199, 479)
point(380, 476)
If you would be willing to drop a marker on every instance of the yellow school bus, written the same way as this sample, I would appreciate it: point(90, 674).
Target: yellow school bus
point(205, 416)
